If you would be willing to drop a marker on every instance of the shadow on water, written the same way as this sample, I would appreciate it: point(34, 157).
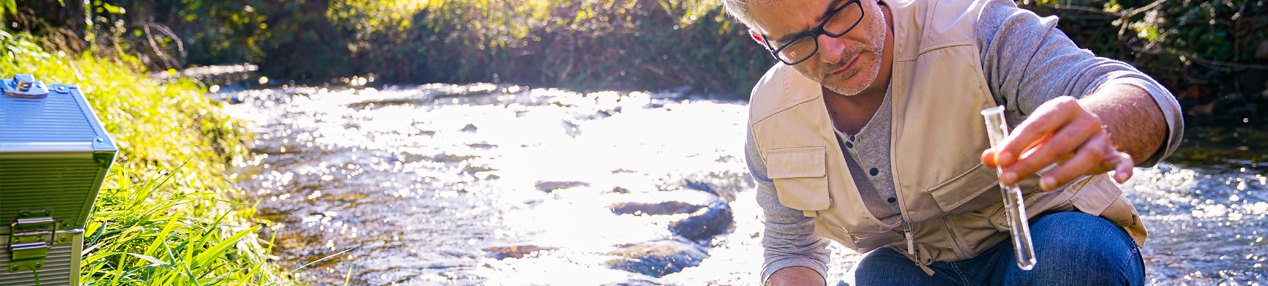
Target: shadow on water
point(1224, 146)
point(488, 184)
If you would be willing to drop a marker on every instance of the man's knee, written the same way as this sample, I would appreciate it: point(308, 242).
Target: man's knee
point(1075, 248)
point(885, 266)
point(881, 260)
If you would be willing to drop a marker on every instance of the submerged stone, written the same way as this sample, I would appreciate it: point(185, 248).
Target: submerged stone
point(705, 223)
point(657, 258)
point(518, 251)
point(550, 186)
point(482, 146)
point(699, 186)
point(658, 208)
point(707, 215)
point(446, 158)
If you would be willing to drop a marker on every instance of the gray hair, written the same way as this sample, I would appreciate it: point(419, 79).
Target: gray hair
point(740, 9)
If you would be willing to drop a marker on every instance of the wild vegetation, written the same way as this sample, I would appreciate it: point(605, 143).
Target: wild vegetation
point(1213, 55)
point(162, 216)
point(611, 44)
point(1206, 51)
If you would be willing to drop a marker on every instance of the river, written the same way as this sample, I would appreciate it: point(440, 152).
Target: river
point(488, 184)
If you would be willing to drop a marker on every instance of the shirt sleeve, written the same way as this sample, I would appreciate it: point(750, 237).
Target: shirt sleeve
point(1028, 61)
point(789, 238)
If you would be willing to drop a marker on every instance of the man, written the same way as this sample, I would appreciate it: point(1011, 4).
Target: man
point(867, 132)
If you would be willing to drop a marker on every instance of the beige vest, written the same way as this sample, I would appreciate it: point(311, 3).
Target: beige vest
point(951, 200)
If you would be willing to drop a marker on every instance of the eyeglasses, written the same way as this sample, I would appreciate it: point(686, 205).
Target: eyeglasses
point(802, 47)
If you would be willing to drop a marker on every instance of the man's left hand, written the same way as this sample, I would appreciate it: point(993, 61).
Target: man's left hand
point(1063, 132)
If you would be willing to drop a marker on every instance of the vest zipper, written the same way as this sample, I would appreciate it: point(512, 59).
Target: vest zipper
point(956, 239)
point(911, 249)
point(911, 243)
point(902, 210)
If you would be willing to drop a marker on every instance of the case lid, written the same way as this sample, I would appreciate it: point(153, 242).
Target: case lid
point(35, 117)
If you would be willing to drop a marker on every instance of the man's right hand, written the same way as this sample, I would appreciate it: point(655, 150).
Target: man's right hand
point(795, 276)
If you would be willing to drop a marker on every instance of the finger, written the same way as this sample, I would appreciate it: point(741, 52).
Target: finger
point(1123, 166)
point(1065, 141)
point(1009, 178)
point(1085, 161)
point(1047, 118)
point(988, 158)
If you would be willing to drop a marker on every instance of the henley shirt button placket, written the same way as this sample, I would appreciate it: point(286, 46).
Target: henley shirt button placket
point(849, 144)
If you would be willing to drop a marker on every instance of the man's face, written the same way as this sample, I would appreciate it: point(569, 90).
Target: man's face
point(846, 64)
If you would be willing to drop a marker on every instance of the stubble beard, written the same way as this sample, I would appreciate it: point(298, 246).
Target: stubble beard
point(867, 75)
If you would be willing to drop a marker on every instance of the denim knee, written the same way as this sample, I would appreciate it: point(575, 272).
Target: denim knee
point(1075, 248)
point(885, 266)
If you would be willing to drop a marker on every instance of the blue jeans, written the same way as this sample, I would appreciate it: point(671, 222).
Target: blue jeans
point(1072, 248)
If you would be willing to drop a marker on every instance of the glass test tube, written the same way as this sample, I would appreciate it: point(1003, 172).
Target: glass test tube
point(1014, 204)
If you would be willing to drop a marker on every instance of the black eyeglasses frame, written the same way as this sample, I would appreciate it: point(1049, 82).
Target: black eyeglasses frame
point(814, 34)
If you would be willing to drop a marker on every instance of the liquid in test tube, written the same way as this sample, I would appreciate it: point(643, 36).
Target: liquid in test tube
point(1014, 204)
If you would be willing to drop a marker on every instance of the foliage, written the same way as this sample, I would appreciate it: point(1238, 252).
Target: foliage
point(7, 7)
point(605, 44)
point(161, 217)
point(623, 44)
point(1209, 44)
point(585, 45)
point(166, 34)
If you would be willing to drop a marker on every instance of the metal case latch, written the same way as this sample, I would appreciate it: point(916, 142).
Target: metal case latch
point(31, 238)
point(23, 86)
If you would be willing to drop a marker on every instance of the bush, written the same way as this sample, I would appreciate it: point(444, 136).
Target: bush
point(1204, 51)
point(623, 44)
point(582, 45)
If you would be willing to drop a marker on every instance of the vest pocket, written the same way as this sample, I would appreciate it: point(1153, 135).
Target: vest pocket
point(965, 188)
point(829, 227)
point(800, 177)
point(1123, 214)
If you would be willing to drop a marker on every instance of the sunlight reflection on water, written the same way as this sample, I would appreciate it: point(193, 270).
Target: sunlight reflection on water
point(433, 184)
point(417, 184)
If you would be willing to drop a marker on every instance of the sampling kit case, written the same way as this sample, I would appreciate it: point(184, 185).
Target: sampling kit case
point(54, 154)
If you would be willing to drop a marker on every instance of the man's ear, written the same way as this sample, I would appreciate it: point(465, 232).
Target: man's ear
point(756, 37)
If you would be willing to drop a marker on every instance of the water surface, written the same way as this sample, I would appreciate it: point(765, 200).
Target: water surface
point(504, 185)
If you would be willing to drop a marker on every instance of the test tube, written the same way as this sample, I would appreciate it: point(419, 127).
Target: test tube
point(1014, 204)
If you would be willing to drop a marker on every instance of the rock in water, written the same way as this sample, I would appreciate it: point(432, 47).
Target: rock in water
point(552, 186)
point(657, 258)
point(700, 186)
point(660, 208)
point(518, 251)
point(705, 223)
point(707, 215)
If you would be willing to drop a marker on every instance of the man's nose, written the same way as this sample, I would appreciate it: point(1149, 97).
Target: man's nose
point(831, 49)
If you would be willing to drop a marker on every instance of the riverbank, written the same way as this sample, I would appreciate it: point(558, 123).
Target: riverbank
point(163, 215)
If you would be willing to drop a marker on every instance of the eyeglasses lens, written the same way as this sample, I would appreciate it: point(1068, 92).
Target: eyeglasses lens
point(840, 23)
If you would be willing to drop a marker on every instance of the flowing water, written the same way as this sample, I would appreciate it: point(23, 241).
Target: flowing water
point(503, 185)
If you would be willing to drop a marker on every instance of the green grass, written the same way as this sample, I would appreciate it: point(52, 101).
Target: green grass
point(162, 216)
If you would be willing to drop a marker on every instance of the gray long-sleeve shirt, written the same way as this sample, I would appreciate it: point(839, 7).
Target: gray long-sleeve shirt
point(1027, 62)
